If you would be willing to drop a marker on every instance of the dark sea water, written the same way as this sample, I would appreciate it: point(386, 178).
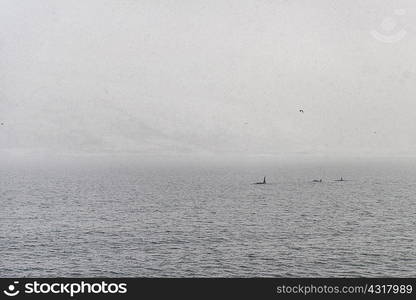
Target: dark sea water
point(208, 220)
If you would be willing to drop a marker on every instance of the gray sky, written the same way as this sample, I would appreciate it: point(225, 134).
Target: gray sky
point(208, 77)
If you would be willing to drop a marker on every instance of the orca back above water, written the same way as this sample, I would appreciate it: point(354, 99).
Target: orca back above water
point(262, 182)
point(316, 180)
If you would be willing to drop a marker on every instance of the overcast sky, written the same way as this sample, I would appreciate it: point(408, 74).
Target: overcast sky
point(208, 77)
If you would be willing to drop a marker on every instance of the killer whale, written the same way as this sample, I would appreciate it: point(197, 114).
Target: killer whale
point(262, 182)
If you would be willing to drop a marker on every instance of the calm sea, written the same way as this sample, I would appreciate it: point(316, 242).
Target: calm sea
point(208, 220)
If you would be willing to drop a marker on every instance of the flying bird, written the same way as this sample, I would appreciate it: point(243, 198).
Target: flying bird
point(301, 110)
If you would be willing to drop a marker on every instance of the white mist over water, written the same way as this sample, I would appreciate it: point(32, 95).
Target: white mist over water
point(197, 77)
